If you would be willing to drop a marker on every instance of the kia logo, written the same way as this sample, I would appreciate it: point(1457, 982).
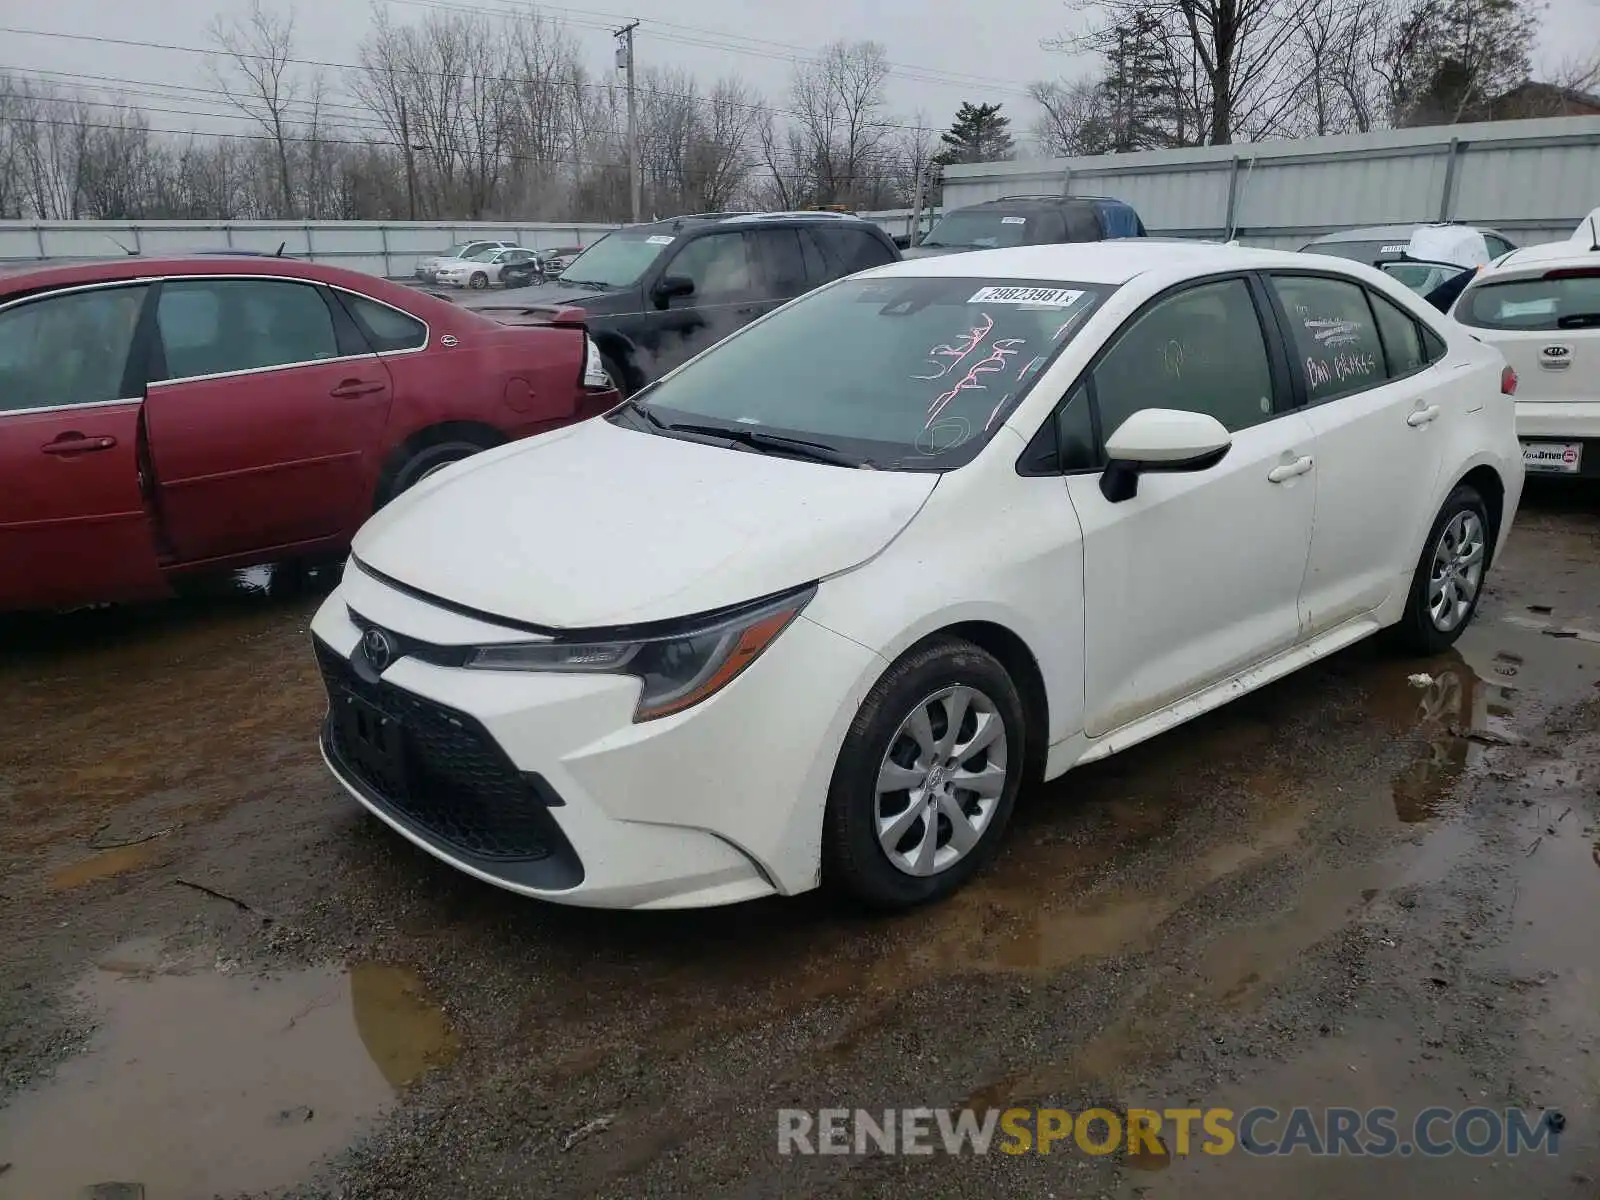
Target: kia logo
point(375, 645)
point(1557, 351)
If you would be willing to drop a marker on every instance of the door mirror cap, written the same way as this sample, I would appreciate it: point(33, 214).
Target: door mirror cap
point(673, 286)
point(1160, 439)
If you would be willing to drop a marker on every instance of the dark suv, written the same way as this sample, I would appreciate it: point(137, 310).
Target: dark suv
point(1029, 221)
point(656, 295)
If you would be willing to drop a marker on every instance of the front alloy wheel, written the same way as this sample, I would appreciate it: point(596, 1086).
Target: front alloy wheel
point(941, 781)
point(926, 778)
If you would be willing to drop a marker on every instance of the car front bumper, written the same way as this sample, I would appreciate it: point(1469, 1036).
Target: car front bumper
point(544, 785)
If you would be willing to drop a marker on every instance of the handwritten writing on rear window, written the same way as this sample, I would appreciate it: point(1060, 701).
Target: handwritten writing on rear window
point(1339, 368)
point(1342, 335)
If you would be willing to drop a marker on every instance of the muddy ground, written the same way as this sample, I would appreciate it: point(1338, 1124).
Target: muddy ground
point(221, 979)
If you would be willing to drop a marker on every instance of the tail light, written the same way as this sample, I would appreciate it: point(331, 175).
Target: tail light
point(1508, 382)
point(594, 367)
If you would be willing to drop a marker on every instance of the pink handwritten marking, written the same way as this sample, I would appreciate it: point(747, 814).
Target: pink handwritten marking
point(957, 352)
point(999, 355)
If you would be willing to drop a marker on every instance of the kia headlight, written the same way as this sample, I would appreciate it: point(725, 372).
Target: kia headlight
point(679, 664)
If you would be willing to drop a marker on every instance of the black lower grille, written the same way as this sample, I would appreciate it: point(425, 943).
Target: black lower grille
point(450, 780)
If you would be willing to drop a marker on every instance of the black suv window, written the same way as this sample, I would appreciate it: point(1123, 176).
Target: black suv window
point(717, 264)
point(1082, 224)
point(852, 249)
point(782, 260)
point(1047, 228)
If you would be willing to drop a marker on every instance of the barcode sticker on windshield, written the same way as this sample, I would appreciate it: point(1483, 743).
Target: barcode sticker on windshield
point(658, 239)
point(1050, 297)
point(1013, 220)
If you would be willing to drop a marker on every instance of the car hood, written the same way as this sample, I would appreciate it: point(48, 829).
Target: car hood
point(555, 293)
point(597, 525)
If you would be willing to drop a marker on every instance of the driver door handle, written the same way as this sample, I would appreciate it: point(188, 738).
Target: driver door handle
point(1289, 470)
point(1422, 416)
point(357, 387)
point(76, 443)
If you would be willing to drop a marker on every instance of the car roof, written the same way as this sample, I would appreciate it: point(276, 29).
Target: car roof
point(1041, 199)
point(37, 276)
point(1110, 262)
point(1574, 253)
point(687, 221)
point(1390, 233)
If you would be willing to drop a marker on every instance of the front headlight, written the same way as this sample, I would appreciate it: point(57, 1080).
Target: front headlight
point(594, 367)
point(678, 667)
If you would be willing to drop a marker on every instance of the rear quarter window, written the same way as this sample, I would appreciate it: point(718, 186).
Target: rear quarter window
point(1558, 300)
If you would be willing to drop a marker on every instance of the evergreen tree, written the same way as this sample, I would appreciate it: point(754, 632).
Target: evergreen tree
point(978, 134)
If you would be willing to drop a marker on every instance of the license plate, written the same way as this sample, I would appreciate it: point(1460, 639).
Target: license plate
point(1561, 457)
point(374, 742)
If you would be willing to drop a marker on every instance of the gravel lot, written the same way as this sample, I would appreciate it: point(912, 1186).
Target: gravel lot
point(221, 979)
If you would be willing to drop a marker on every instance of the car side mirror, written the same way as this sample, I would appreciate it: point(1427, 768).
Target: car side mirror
point(671, 287)
point(1160, 439)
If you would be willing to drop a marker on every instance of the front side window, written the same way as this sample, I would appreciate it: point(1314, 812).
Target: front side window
point(1332, 335)
point(1560, 299)
point(906, 373)
point(856, 249)
point(785, 264)
point(1200, 350)
point(717, 264)
point(216, 326)
point(68, 349)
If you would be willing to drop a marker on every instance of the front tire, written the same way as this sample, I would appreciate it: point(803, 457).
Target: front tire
point(1448, 581)
point(926, 779)
point(478, 282)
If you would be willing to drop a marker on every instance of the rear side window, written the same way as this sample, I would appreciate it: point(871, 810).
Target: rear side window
point(69, 349)
point(1333, 335)
point(215, 326)
point(855, 249)
point(1558, 300)
point(781, 260)
point(1048, 228)
point(386, 329)
point(816, 262)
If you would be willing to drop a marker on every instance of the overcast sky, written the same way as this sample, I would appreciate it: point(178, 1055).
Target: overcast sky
point(944, 51)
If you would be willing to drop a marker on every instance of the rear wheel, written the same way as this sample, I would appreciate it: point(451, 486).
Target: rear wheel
point(1448, 581)
point(926, 779)
point(424, 461)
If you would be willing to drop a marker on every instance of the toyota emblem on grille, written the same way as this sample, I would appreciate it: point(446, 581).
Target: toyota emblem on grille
point(375, 645)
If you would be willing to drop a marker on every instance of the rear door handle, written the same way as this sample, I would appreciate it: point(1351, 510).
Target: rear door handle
point(1422, 416)
point(76, 443)
point(1289, 470)
point(357, 387)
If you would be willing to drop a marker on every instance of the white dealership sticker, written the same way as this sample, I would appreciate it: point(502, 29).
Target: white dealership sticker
point(658, 239)
point(1049, 297)
point(1013, 220)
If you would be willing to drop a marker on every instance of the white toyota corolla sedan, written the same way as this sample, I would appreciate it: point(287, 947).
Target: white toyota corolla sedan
point(812, 608)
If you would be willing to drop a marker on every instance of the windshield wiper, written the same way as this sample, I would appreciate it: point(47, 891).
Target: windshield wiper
point(633, 403)
point(1578, 320)
point(758, 439)
point(594, 283)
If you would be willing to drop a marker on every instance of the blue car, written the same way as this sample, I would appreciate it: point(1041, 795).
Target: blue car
point(1029, 221)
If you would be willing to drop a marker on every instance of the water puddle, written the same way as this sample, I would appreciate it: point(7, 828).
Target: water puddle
point(103, 865)
point(205, 1081)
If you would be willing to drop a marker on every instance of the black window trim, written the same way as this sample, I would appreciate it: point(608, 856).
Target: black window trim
point(1043, 444)
point(1297, 372)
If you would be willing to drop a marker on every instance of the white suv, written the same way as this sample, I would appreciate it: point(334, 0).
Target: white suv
point(1540, 307)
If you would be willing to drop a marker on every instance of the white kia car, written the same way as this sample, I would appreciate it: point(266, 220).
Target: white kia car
point(1540, 307)
point(811, 608)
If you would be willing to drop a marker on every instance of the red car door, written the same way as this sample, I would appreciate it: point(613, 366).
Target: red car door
point(264, 412)
point(74, 527)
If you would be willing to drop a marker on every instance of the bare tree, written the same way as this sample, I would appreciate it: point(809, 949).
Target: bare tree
point(839, 123)
point(1335, 50)
point(258, 79)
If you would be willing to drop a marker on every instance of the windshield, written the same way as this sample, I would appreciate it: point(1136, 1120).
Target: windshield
point(978, 231)
point(617, 260)
point(1560, 300)
point(903, 373)
point(486, 255)
point(455, 251)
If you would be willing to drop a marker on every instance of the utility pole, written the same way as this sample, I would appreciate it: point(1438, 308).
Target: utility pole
point(625, 60)
point(916, 206)
point(411, 167)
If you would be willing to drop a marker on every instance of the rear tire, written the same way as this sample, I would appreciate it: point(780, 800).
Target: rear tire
point(926, 779)
point(1449, 579)
point(424, 461)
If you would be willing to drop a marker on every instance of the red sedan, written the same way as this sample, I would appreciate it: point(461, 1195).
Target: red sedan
point(160, 417)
